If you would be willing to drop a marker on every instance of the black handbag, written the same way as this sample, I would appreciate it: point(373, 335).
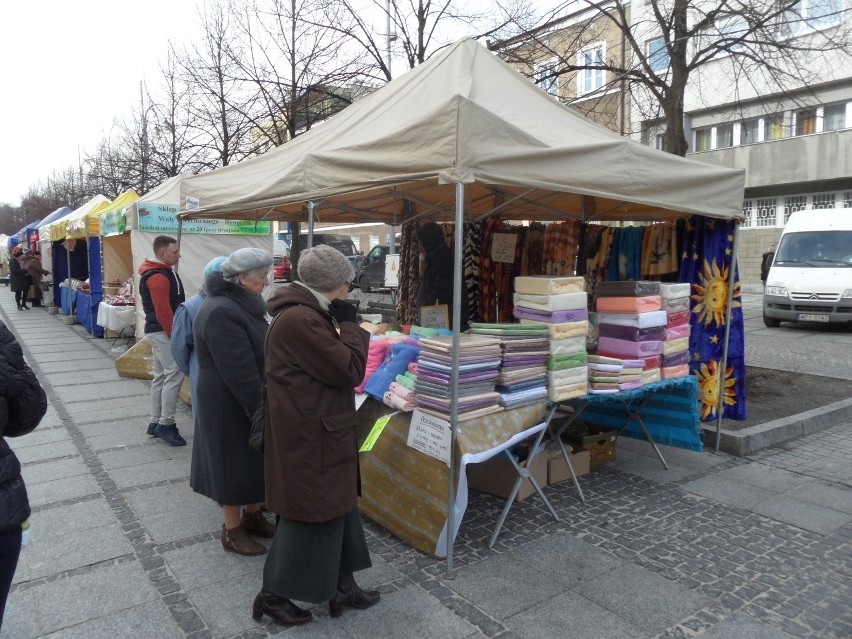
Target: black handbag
point(258, 420)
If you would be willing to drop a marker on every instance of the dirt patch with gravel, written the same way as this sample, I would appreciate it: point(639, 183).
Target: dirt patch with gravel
point(773, 394)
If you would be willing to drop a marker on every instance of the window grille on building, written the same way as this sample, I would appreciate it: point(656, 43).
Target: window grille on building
point(765, 211)
point(747, 213)
point(793, 203)
point(823, 201)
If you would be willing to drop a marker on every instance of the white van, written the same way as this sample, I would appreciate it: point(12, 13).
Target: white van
point(810, 279)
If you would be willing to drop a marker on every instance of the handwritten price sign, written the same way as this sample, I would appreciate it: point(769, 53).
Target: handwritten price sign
point(503, 247)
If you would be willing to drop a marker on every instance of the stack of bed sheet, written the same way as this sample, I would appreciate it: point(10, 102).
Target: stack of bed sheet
point(522, 379)
point(612, 374)
point(560, 305)
point(631, 323)
point(479, 360)
point(675, 350)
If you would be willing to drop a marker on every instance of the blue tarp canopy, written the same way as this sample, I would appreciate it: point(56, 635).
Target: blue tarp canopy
point(60, 212)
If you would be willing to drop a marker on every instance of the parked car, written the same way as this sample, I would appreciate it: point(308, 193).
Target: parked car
point(282, 269)
point(371, 275)
point(342, 243)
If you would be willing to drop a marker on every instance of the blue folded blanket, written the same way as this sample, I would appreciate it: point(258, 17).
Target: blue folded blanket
point(396, 362)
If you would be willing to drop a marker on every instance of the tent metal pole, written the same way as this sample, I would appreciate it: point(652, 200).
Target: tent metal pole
point(454, 376)
point(728, 318)
point(179, 233)
point(311, 207)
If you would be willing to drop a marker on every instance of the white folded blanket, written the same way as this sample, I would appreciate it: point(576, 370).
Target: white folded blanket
point(546, 285)
point(673, 290)
point(676, 304)
point(567, 346)
point(561, 302)
point(561, 393)
point(636, 320)
point(567, 376)
point(563, 331)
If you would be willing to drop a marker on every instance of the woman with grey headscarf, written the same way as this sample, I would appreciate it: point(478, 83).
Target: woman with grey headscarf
point(229, 332)
point(310, 448)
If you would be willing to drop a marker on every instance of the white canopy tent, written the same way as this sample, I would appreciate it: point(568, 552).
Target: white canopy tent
point(463, 136)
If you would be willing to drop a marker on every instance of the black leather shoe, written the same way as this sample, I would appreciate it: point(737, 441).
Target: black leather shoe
point(349, 594)
point(282, 611)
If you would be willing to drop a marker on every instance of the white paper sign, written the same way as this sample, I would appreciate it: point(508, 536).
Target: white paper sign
point(192, 203)
point(430, 435)
point(503, 247)
point(392, 271)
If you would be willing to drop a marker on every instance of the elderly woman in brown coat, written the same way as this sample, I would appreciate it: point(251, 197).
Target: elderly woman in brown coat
point(310, 448)
point(35, 270)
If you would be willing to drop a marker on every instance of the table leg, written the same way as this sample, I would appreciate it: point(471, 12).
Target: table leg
point(557, 437)
point(635, 415)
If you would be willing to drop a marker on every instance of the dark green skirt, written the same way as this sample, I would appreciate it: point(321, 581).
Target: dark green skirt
point(305, 559)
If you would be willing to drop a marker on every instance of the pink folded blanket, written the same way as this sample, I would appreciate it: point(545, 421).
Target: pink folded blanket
point(676, 319)
point(650, 361)
point(675, 332)
point(413, 367)
point(376, 352)
point(641, 304)
point(395, 401)
point(670, 372)
point(398, 389)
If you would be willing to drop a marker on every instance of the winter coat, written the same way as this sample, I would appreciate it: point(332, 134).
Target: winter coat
point(35, 269)
point(229, 332)
point(14, 506)
point(310, 448)
point(18, 277)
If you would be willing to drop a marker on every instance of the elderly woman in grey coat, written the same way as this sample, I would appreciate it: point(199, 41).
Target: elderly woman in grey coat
point(229, 333)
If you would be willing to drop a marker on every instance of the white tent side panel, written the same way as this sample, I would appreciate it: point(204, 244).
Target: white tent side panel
point(196, 251)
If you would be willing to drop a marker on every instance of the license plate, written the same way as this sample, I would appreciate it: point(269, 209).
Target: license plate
point(810, 317)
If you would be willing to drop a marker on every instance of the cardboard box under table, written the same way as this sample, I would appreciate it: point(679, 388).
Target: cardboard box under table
point(405, 490)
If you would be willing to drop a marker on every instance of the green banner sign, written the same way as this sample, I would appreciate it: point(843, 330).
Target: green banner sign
point(114, 222)
point(162, 218)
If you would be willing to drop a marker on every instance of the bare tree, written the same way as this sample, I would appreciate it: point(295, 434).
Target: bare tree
point(218, 100)
point(302, 69)
point(762, 46)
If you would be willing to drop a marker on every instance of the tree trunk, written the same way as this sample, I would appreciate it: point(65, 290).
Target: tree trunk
point(672, 105)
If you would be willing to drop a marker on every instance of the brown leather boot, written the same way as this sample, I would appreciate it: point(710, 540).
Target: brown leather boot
point(257, 524)
point(283, 611)
point(237, 540)
point(350, 594)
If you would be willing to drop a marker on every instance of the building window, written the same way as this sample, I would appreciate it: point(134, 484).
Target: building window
point(660, 142)
point(813, 14)
point(774, 127)
point(793, 203)
point(590, 79)
point(702, 139)
point(806, 121)
point(750, 131)
point(731, 28)
point(747, 213)
point(724, 136)
point(546, 78)
point(658, 54)
point(823, 201)
point(834, 117)
point(765, 211)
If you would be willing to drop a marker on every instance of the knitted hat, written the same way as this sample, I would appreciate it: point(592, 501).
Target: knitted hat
point(430, 236)
point(244, 260)
point(324, 269)
point(214, 265)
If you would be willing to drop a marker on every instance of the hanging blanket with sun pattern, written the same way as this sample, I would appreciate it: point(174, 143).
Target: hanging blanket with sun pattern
point(705, 264)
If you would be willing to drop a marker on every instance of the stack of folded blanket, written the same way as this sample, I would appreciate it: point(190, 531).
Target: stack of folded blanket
point(560, 304)
point(631, 322)
point(522, 379)
point(479, 360)
point(613, 374)
point(675, 351)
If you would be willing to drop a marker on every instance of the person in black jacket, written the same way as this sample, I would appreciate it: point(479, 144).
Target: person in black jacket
point(437, 284)
point(22, 405)
point(19, 279)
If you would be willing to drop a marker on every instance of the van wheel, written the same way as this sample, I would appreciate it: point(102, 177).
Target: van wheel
point(364, 284)
point(771, 322)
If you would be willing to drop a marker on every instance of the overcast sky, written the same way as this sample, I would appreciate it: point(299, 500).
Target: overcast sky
point(67, 69)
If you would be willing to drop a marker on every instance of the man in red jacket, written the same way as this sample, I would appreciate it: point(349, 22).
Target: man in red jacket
point(162, 291)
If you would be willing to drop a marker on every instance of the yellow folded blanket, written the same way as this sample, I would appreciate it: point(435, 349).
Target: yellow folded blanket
point(545, 285)
point(563, 331)
point(566, 346)
point(651, 375)
point(567, 376)
point(561, 393)
point(675, 345)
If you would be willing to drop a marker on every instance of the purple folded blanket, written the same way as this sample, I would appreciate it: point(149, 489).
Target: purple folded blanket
point(675, 359)
point(554, 317)
point(632, 334)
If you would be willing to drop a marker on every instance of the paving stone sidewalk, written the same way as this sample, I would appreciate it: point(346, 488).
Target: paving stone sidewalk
point(716, 547)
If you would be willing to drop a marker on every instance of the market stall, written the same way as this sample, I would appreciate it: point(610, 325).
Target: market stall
point(463, 137)
point(127, 234)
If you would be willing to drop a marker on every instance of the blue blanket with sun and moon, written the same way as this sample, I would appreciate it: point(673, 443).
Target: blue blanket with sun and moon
point(705, 264)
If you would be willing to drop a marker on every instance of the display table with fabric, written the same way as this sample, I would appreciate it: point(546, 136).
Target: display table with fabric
point(68, 297)
point(86, 305)
point(120, 319)
point(405, 490)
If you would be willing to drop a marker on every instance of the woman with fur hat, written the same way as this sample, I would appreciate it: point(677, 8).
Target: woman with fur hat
point(228, 333)
point(316, 355)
